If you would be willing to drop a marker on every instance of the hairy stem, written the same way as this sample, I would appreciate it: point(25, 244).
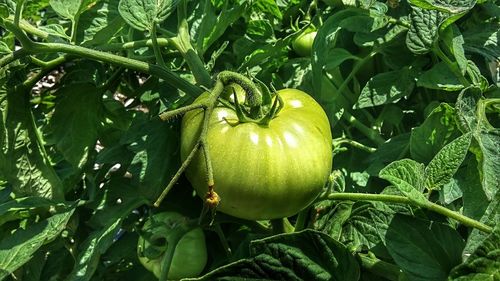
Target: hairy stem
point(156, 48)
point(158, 71)
point(368, 132)
point(353, 143)
point(161, 42)
point(404, 200)
point(177, 175)
point(183, 44)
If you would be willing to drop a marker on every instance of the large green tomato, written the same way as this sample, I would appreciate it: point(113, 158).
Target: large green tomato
point(190, 256)
point(262, 172)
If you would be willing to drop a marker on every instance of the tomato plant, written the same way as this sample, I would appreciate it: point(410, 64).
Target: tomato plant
point(305, 140)
point(169, 229)
point(263, 171)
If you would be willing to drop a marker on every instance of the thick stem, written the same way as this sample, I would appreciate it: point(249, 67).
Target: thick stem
point(172, 78)
point(404, 200)
point(183, 44)
point(165, 116)
point(301, 221)
point(368, 132)
point(355, 70)
point(208, 106)
point(177, 175)
point(18, 12)
point(451, 65)
point(161, 72)
point(74, 25)
point(253, 95)
point(353, 143)
point(156, 48)
point(281, 225)
point(13, 56)
point(161, 42)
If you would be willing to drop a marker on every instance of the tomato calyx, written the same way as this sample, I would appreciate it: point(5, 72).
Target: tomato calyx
point(270, 103)
point(244, 116)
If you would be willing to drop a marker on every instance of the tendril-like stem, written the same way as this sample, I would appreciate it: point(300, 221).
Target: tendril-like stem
point(181, 170)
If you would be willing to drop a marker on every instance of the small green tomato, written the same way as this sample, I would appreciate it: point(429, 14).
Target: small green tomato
point(302, 45)
point(190, 255)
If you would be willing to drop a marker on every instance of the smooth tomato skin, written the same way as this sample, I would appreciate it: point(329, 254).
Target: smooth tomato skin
point(190, 256)
point(302, 45)
point(263, 172)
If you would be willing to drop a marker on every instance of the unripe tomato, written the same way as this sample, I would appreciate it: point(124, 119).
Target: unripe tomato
point(262, 172)
point(190, 256)
point(302, 45)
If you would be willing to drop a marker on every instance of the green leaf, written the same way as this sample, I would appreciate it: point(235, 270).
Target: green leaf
point(305, 255)
point(69, 9)
point(387, 87)
point(155, 145)
point(491, 217)
point(4, 49)
point(338, 56)
point(424, 28)
point(440, 77)
point(326, 39)
point(483, 39)
point(92, 248)
point(454, 42)
point(392, 150)
point(438, 129)
point(359, 225)
point(99, 24)
point(27, 167)
point(364, 23)
point(268, 7)
point(7, 7)
point(18, 248)
point(55, 30)
point(407, 176)
point(489, 160)
point(475, 75)
point(143, 14)
point(76, 121)
point(473, 196)
point(466, 108)
point(446, 162)
point(23, 208)
point(452, 7)
point(425, 251)
point(384, 36)
point(213, 26)
point(450, 192)
point(484, 263)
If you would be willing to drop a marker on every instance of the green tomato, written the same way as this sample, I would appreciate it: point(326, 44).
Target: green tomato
point(302, 45)
point(190, 255)
point(262, 172)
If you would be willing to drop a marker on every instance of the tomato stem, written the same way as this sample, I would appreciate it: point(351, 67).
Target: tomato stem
point(179, 172)
point(253, 93)
point(404, 200)
point(281, 225)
